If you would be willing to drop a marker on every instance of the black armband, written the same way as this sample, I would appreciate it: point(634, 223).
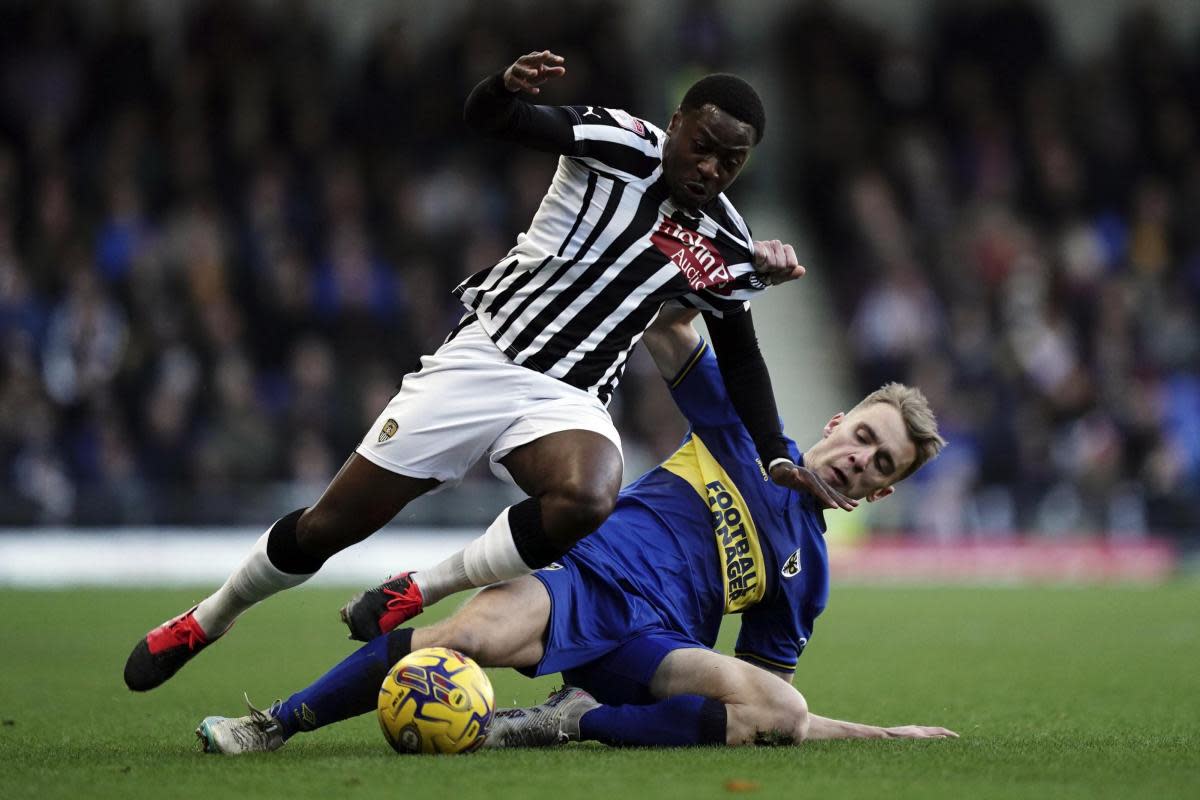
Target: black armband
point(748, 382)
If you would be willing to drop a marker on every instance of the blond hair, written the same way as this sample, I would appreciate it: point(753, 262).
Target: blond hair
point(919, 421)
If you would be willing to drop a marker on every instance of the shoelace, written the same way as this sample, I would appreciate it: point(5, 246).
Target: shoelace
point(262, 725)
point(399, 598)
point(194, 638)
point(263, 716)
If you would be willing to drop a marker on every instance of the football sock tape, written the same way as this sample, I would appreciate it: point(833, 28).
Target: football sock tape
point(495, 556)
point(284, 551)
point(529, 535)
point(255, 579)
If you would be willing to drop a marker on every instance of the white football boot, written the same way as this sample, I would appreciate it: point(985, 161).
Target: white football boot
point(257, 732)
point(554, 722)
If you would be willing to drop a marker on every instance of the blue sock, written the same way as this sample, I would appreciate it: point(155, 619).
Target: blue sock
point(683, 720)
point(349, 689)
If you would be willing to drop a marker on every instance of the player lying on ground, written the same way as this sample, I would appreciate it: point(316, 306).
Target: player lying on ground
point(635, 217)
point(629, 616)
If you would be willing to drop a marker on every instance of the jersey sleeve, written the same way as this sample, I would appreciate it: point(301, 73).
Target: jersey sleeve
point(699, 391)
point(613, 141)
point(712, 303)
point(501, 114)
point(773, 635)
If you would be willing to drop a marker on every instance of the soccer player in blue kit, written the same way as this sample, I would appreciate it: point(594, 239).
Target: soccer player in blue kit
point(630, 614)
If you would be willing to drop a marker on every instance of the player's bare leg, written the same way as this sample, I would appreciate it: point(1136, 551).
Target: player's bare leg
point(703, 698)
point(572, 478)
point(763, 707)
point(360, 499)
point(757, 703)
point(502, 626)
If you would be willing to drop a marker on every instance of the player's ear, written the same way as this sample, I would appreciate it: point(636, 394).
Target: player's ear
point(676, 119)
point(834, 421)
point(879, 494)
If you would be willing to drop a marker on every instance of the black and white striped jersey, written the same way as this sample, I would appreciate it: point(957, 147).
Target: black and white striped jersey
point(605, 250)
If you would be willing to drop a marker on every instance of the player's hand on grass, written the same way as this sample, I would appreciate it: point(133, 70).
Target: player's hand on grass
point(531, 70)
point(919, 732)
point(802, 479)
point(776, 262)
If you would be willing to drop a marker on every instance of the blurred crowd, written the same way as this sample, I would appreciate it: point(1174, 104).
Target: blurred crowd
point(220, 250)
point(1019, 235)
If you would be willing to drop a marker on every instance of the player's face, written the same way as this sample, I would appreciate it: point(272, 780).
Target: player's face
point(705, 150)
point(863, 453)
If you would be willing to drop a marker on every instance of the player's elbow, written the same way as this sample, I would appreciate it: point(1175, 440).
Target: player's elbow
point(787, 718)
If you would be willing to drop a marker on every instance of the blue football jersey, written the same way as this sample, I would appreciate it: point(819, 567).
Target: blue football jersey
point(707, 533)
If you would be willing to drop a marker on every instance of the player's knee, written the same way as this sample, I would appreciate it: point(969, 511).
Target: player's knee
point(466, 639)
point(777, 717)
point(572, 511)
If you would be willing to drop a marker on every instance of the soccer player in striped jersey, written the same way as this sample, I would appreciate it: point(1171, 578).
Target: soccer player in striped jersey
point(635, 217)
point(630, 614)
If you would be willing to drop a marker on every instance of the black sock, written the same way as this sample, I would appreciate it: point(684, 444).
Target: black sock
point(399, 644)
point(679, 721)
point(284, 551)
point(529, 536)
point(714, 720)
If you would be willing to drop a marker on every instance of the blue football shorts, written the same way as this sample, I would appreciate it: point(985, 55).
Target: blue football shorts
point(603, 638)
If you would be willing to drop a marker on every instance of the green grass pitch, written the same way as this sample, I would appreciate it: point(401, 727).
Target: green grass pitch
point(1064, 693)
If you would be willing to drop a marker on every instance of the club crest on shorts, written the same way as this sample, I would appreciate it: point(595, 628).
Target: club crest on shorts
point(791, 567)
point(389, 430)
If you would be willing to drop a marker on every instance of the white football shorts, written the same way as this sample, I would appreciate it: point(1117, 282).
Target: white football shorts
point(469, 400)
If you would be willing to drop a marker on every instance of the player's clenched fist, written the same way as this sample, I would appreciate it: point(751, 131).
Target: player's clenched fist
point(531, 70)
point(776, 262)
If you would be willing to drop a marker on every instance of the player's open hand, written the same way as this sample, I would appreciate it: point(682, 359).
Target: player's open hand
point(802, 479)
point(531, 70)
point(776, 262)
point(919, 732)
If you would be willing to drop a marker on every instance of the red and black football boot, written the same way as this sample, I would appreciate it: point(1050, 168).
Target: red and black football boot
point(164, 651)
point(382, 609)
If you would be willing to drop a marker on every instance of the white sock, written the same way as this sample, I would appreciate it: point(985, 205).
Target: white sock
point(255, 579)
point(445, 579)
point(489, 559)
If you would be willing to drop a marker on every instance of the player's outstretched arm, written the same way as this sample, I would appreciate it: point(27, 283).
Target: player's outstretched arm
point(495, 107)
point(749, 385)
point(825, 728)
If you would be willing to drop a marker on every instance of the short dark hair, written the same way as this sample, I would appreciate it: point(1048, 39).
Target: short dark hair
point(732, 95)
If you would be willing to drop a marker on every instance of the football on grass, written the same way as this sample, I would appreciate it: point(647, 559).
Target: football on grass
point(435, 700)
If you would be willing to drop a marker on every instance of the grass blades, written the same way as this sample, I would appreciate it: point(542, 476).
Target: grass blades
point(1063, 693)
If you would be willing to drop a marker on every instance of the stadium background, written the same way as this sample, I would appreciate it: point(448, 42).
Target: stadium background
point(227, 229)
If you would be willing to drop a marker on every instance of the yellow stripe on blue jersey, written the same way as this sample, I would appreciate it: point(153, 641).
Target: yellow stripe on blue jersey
point(742, 566)
point(696, 355)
